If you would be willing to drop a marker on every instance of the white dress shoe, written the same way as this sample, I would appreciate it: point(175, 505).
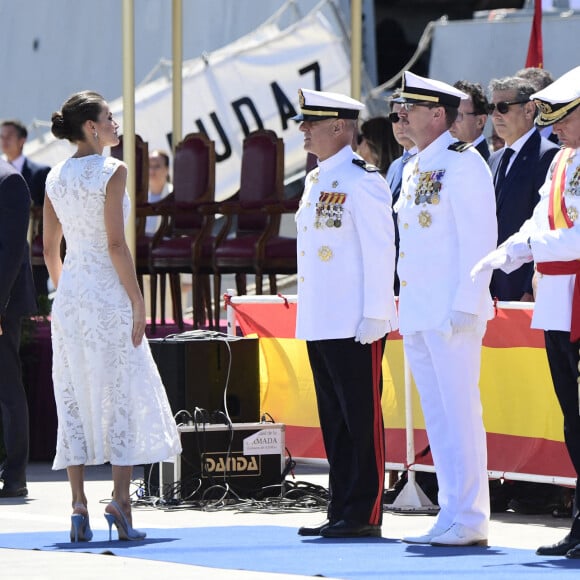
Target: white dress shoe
point(435, 531)
point(459, 535)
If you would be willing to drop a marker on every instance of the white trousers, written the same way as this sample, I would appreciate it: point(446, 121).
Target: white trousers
point(446, 372)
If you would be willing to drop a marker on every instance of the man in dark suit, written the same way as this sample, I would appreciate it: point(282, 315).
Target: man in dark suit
point(519, 170)
point(13, 135)
point(472, 117)
point(17, 299)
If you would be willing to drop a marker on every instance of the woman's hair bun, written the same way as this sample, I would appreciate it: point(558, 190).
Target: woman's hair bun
point(60, 128)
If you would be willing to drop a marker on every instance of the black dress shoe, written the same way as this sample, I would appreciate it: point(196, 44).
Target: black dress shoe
point(348, 529)
point(13, 491)
point(314, 530)
point(561, 548)
point(574, 553)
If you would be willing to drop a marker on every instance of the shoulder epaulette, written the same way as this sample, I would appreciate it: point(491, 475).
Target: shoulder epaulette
point(459, 146)
point(366, 166)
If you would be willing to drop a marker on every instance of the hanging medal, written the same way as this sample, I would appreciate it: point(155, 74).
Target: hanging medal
point(329, 209)
point(574, 185)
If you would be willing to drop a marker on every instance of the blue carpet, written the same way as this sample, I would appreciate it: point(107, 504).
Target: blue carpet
point(281, 550)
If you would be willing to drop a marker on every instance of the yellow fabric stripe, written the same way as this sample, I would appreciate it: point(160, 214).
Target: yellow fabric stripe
point(516, 389)
point(559, 218)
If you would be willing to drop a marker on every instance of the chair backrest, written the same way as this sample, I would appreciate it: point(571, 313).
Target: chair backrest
point(141, 167)
point(262, 176)
point(193, 180)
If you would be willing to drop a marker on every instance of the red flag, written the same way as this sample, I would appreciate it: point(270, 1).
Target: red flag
point(535, 56)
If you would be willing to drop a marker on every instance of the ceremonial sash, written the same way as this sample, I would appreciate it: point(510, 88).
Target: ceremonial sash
point(557, 212)
point(559, 219)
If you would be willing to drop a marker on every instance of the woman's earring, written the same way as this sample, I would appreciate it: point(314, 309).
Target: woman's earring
point(96, 136)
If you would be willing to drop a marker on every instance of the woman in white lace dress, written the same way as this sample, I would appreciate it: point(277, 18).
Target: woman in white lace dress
point(111, 403)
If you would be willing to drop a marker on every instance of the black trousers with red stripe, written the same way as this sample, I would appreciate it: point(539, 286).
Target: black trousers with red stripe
point(563, 358)
point(348, 382)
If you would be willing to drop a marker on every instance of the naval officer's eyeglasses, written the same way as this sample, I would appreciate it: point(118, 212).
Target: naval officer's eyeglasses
point(394, 117)
point(504, 106)
point(410, 106)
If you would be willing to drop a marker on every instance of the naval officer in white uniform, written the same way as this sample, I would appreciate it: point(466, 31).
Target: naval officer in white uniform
point(446, 217)
point(551, 238)
point(346, 306)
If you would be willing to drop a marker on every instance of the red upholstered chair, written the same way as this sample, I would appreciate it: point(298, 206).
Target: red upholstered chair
point(279, 252)
point(184, 244)
point(252, 214)
point(143, 242)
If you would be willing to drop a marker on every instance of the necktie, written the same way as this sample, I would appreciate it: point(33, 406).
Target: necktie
point(396, 176)
point(501, 171)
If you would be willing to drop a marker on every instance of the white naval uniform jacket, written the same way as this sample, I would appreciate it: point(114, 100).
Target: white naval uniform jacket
point(443, 235)
point(344, 273)
point(553, 305)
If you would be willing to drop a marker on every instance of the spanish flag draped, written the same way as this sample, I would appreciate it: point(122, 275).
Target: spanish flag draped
point(521, 413)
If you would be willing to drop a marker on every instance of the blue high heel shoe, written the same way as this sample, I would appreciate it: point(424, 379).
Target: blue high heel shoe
point(80, 529)
point(124, 528)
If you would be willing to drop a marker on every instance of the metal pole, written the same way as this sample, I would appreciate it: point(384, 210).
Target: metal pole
point(409, 430)
point(129, 112)
point(355, 48)
point(177, 47)
point(230, 315)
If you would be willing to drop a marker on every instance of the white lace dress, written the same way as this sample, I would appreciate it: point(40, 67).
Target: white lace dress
point(111, 403)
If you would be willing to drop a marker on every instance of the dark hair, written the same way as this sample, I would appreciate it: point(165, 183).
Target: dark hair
point(475, 91)
point(18, 125)
point(378, 133)
point(163, 155)
point(81, 107)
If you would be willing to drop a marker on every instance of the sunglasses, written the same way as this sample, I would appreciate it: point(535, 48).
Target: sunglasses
point(504, 106)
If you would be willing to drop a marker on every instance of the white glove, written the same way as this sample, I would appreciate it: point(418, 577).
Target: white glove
point(462, 321)
point(371, 329)
point(512, 254)
point(518, 250)
point(495, 259)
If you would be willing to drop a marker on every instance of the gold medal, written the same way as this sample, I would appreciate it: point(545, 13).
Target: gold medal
point(425, 219)
point(435, 199)
point(325, 253)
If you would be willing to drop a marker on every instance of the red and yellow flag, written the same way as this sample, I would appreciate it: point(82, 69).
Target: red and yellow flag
point(535, 56)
